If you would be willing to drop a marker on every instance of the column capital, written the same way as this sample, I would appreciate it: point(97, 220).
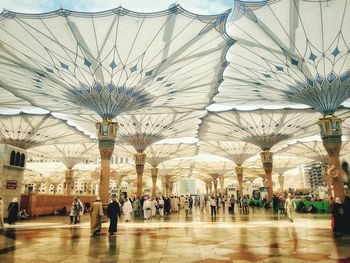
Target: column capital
point(239, 172)
point(330, 129)
point(266, 157)
point(140, 158)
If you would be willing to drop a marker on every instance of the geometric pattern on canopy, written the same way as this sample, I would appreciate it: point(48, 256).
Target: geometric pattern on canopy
point(9, 101)
point(159, 153)
point(263, 128)
point(115, 61)
point(175, 167)
point(141, 131)
point(31, 130)
point(236, 151)
point(68, 154)
point(313, 150)
point(288, 51)
point(213, 169)
point(281, 165)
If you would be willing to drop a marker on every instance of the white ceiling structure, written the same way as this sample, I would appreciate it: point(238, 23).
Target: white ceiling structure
point(25, 130)
point(288, 52)
point(156, 74)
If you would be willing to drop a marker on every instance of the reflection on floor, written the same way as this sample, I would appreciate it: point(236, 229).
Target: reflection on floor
point(257, 237)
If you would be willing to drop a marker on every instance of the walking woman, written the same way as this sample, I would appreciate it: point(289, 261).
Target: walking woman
point(13, 211)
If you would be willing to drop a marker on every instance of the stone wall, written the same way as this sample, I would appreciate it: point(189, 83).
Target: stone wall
point(11, 176)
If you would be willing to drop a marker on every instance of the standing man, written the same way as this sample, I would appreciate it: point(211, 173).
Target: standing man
point(147, 206)
point(290, 207)
point(1, 213)
point(113, 212)
point(213, 205)
point(232, 204)
point(96, 212)
point(275, 203)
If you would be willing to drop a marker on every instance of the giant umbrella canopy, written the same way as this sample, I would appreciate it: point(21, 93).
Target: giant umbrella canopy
point(112, 62)
point(263, 128)
point(139, 131)
point(25, 130)
point(216, 170)
point(236, 151)
point(160, 153)
point(295, 53)
point(70, 154)
point(315, 151)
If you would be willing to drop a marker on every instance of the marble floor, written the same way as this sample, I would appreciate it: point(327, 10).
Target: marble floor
point(257, 237)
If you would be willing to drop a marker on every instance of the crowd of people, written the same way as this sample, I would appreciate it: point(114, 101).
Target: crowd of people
point(146, 208)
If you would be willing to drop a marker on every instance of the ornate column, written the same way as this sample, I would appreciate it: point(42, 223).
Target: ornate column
point(37, 185)
point(167, 186)
point(281, 182)
point(47, 186)
point(162, 179)
point(55, 186)
point(154, 174)
point(140, 159)
point(328, 178)
point(221, 181)
point(215, 182)
point(239, 173)
point(267, 160)
point(106, 133)
point(331, 133)
point(171, 186)
point(207, 187)
point(69, 180)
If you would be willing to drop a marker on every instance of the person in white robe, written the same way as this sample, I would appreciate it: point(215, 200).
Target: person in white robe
point(201, 203)
point(176, 204)
point(290, 207)
point(161, 206)
point(154, 205)
point(147, 205)
point(182, 201)
point(127, 210)
point(172, 203)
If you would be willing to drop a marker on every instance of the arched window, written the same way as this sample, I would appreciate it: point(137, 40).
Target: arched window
point(18, 158)
point(22, 160)
point(12, 158)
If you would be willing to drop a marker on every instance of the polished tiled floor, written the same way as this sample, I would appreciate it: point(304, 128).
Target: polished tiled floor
point(257, 237)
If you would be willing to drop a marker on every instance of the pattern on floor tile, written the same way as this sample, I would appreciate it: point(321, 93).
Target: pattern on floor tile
point(257, 237)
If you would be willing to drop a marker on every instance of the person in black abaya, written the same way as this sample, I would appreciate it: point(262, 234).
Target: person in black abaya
point(13, 212)
point(113, 212)
point(347, 214)
point(338, 213)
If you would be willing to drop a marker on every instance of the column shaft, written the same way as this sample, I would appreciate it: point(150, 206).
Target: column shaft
point(267, 160)
point(239, 173)
point(154, 173)
point(69, 180)
point(140, 159)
